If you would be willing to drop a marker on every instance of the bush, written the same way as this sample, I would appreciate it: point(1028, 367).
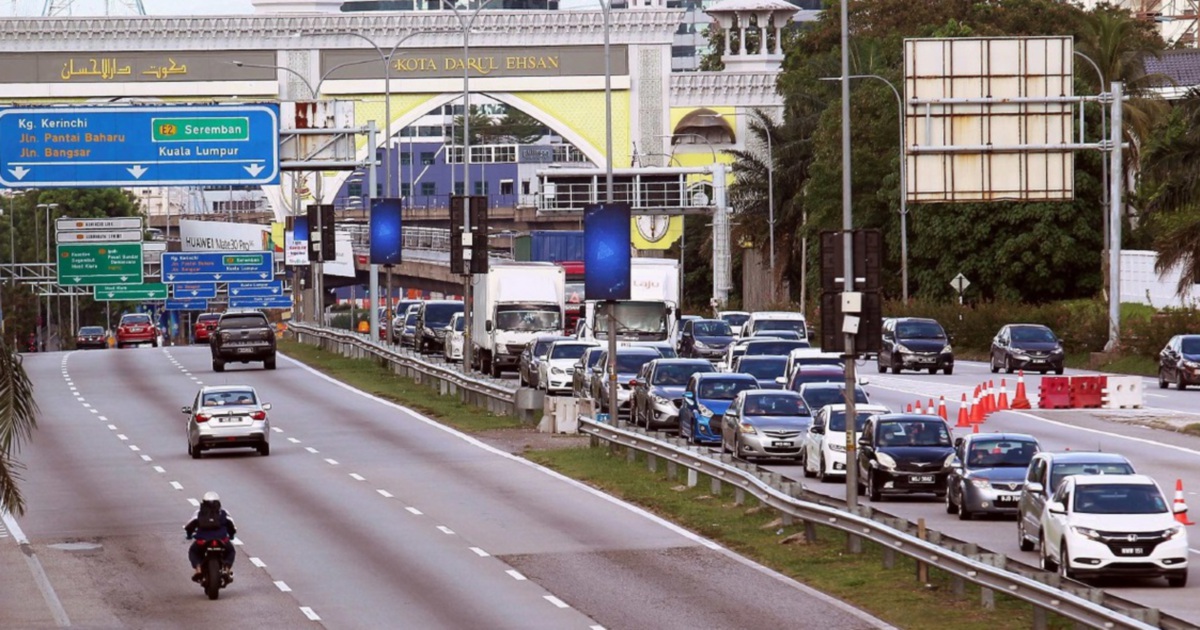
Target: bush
point(1082, 325)
point(1146, 337)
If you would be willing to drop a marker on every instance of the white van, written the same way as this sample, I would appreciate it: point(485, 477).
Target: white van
point(763, 321)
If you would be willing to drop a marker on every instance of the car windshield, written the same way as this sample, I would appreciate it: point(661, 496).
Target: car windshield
point(711, 328)
point(1058, 472)
point(819, 361)
point(632, 362)
point(667, 352)
point(636, 318)
point(438, 315)
point(527, 318)
point(763, 367)
point(243, 321)
point(568, 350)
point(594, 357)
point(677, 374)
point(1033, 334)
point(920, 330)
point(796, 325)
point(800, 378)
point(541, 347)
point(774, 405)
point(1190, 345)
point(410, 320)
point(735, 319)
point(724, 389)
point(91, 330)
point(239, 397)
point(820, 396)
point(1000, 454)
point(913, 433)
point(458, 323)
point(1119, 498)
point(781, 347)
point(135, 319)
point(837, 420)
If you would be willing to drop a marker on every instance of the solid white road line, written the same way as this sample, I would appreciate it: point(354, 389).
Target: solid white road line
point(39, 574)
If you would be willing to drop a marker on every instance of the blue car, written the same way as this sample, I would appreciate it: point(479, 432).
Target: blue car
point(707, 396)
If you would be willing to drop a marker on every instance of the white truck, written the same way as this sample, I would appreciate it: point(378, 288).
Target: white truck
point(651, 313)
point(514, 302)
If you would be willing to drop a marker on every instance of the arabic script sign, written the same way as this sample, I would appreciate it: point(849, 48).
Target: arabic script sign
point(135, 67)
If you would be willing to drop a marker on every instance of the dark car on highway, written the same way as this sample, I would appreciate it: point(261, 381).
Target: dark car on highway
point(914, 343)
point(1179, 362)
point(988, 473)
point(704, 338)
point(1030, 347)
point(91, 337)
point(904, 453)
point(768, 369)
point(658, 391)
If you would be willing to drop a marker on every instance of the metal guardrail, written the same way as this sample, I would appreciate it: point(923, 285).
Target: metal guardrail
point(1046, 596)
point(481, 392)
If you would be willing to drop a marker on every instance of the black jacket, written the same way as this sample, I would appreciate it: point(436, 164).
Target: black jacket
point(227, 529)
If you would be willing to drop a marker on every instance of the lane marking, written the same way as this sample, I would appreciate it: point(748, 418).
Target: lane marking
point(103, 419)
point(332, 462)
point(516, 575)
point(258, 563)
point(177, 485)
point(293, 440)
point(134, 448)
point(122, 437)
point(414, 510)
point(237, 542)
point(597, 628)
point(281, 585)
point(147, 458)
point(159, 469)
point(479, 552)
point(112, 427)
point(277, 429)
point(311, 449)
point(87, 405)
point(385, 493)
point(93, 411)
point(556, 601)
point(194, 502)
point(357, 477)
point(308, 612)
point(446, 530)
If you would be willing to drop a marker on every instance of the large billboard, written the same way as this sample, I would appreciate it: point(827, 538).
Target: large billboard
point(606, 252)
point(224, 236)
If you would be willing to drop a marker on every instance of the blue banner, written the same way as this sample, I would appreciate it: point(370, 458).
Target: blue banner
point(386, 232)
point(607, 261)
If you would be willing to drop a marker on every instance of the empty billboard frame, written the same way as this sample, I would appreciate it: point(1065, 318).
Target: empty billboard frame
point(973, 128)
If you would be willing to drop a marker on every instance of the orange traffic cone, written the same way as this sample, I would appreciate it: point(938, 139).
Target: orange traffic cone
point(941, 408)
point(991, 397)
point(918, 408)
point(909, 410)
point(931, 410)
point(1180, 514)
point(975, 428)
point(1002, 405)
point(964, 413)
point(976, 408)
point(1020, 401)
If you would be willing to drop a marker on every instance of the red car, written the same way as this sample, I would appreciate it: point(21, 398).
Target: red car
point(136, 328)
point(205, 324)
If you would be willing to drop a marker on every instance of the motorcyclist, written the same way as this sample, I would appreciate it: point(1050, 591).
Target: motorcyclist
point(211, 522)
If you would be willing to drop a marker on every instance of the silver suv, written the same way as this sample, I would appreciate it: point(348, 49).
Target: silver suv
point(228, 416)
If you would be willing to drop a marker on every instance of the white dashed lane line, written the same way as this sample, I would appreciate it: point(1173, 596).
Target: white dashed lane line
point(134, 448)
point(177, 485)
point(516, 575)
point(308, 612)
point(159, 469)
point(385, 493)
point(281, 585)
point(414, 510)
point(122, 437)
point(332, 462)
point(258, 563)
point(479, 552)
point(556, 601)
point(445, 530)
point(357, 477)
point(147, 458)
point(311, 449)
point(293, 440)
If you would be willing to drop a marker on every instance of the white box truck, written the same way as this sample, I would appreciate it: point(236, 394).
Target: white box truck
point(651, 313)
point(514, 302)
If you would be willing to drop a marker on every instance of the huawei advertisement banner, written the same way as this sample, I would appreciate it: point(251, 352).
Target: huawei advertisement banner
point(386, 232)
point(606, 255)
point(296, 244)
point(343, 260)
point(220, 236)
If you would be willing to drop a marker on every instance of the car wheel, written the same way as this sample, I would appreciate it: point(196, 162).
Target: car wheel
point(964, 513)
point(269, 364)
point(821, 474)
point(1008, 368)
point(1179, 384)
point(194, 451)
point(1178, 581)
point(218, 365)
point(879, 364)
point(896, 367)
point(264, 449)
point(876, 492)
point(950, 509)
point(1022, 540)
point(948, 370)
point(992, 364)
point(1064, 565)
point(493, 368)
point(804, 461)
point(933, 370)
point(1162, 380)
point(1047, 562)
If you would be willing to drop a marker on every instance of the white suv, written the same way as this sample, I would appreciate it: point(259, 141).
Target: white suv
point(1121, 525)
point(824, 450)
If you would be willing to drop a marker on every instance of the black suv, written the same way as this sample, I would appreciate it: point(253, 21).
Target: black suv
point(915, 343)
point(904, 453)
point(433, 321)
point(1179, 362)
point(242, 336)
point(1026, 347)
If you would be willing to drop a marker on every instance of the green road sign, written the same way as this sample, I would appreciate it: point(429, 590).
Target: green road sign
point(99, 263)
point(150, 291)
point(171, 129)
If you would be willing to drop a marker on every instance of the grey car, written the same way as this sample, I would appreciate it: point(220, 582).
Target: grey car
point(629, 362)
point(535, 351)
point(585, 369)
point(227, 416)
point(1046, 471)
point(987, 473)
point(658, 393)
point(765, 423)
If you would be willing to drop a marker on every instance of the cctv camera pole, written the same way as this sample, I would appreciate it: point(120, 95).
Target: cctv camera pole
point(610, 199)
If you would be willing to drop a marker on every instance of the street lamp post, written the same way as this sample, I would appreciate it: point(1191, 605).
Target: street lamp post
point(49, 265)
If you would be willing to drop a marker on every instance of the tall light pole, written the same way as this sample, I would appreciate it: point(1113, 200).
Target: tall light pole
point(903, 181)
point(49, 265)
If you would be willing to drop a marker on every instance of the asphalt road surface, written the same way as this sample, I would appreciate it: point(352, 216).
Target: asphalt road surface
point(365, 515)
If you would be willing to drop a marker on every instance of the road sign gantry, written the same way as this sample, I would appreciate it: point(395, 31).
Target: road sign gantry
point(217, 267)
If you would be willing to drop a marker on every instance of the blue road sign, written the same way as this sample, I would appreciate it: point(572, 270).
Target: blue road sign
point(194, 290)
point(217, 266)
point(160, 145)
point(278, 301)
point(174, 304)
point(256, 289)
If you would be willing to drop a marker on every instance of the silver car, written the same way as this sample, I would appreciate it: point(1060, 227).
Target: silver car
point(228, 416)
point(765, 423)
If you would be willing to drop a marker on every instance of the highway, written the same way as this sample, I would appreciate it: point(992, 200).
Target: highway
point(1164, 455)
point(365, 515)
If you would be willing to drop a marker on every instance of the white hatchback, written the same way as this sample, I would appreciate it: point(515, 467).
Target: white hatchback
point(556, 372)
point(1113, 525)
point(453, 348)
point(824, 453)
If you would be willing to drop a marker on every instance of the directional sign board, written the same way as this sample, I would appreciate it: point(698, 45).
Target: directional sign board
point(255, 289)
point(194, 290)
point(186, 305)
point(217, 266)
point(89, 264)
point(149, 291)
point(160, 145)
point(67, 224)
point(280, 301)
point(99, 236)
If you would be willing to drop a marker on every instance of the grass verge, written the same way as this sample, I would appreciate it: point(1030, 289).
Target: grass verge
point(892, 594)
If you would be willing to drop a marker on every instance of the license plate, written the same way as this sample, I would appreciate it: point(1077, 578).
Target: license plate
point(230, 420)
point(1038, 361)
point(781, 444)
point(245, 350)
point(921, 478)
point(926, 360)
point(1006, 500)
point(1131, 551)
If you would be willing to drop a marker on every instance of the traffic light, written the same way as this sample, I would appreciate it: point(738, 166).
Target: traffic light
point(867, 256)
point(457, 212)
point(321, 246)
point(479, 234)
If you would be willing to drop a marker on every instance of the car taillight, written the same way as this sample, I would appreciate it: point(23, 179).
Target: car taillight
point(259, 415)
point(202, 417)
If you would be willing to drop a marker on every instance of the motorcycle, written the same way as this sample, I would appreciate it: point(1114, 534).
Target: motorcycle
point(213, 574)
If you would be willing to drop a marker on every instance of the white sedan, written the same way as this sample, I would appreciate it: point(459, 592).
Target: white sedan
point(824, 453)
point(556, 372)
point(453, 348)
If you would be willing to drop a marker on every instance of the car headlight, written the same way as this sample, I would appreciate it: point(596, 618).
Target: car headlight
point(946, 463)
point(1173, 532)
point(659, 399)
point(699, 344)
point(947, 349)
point(1191, 364)
point(705, 411)
point(557, 371)
point(1021, 356)
point(747, 428)
point(1057, 350)
point(885, 460)
point(902, 348)
point(982, 484)
point(836, 447)
point(1086, 532)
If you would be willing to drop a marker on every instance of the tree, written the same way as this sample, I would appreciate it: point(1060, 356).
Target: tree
point(517, 127)
point(18, 420)
point(481, 127)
